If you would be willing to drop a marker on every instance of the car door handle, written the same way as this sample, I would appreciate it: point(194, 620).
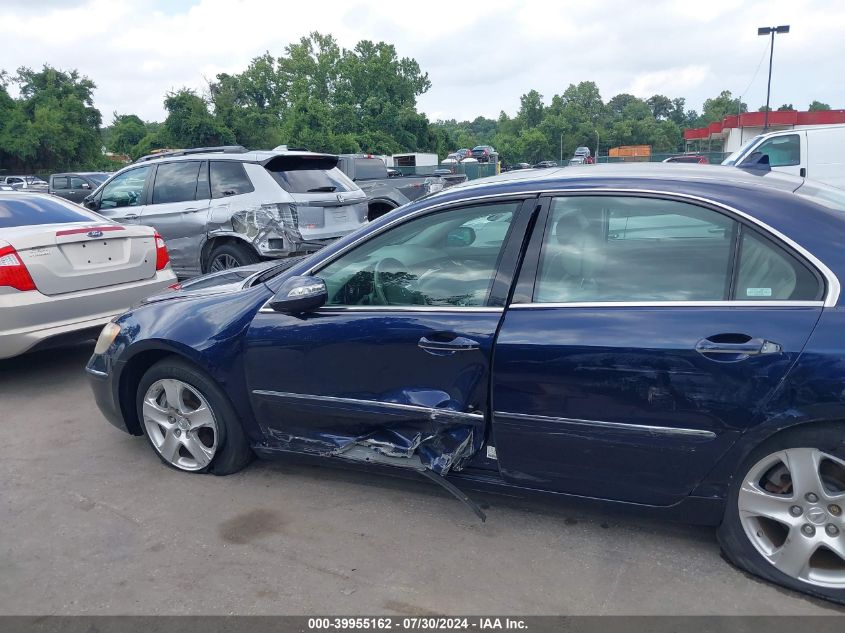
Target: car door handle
point(457, 344)
point(191, 209)
point(130, 216)
point(750, 347)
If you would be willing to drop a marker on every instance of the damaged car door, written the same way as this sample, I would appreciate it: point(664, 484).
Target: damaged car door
point(395, 367)
point(178, 209)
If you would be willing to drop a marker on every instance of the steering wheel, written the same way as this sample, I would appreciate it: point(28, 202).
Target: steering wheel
point(381, 271)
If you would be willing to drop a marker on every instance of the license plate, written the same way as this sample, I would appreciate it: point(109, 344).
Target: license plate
point(95, 252)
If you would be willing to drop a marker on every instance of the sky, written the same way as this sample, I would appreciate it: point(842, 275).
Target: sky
point(480, 56)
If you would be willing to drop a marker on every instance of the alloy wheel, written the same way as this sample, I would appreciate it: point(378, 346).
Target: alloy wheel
point(223, 262)
point(180, 424)
point(791, 509)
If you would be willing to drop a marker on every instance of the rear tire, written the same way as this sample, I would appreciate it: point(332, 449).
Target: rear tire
point(230, 255)
point(377, 210)
point(189, 421)
point(791, 536)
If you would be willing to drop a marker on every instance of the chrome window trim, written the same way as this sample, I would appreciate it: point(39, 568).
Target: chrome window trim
point(644, 428)
point(430, 411)
point(441, 309)
point(672, 304)
point(833, 286)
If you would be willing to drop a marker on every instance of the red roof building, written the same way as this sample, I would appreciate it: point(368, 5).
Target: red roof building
point(734, 130)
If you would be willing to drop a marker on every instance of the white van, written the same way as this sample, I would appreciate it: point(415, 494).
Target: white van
point(817, 153)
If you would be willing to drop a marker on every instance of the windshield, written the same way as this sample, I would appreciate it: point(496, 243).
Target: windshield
point(734, 158)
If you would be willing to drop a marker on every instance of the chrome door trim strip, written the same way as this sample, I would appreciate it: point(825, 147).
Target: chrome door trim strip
point(441, 309)
point(622, 426)
point(673, 304)
point(397, 406)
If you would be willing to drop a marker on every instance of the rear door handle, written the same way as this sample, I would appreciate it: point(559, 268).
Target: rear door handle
point(751, 347)
point(457, 344)
point(129, 216)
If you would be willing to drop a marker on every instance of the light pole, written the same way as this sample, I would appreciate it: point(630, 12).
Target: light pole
point(561, 149)
point(770, 30)
point(597, 147)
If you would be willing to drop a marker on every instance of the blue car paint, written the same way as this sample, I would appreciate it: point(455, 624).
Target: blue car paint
point(674, 386)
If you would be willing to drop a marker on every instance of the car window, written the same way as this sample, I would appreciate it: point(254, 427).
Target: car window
point(76, 182)
point(607, 248)
point(228, 178)
point(176, 182)
point(36, 210)
point(125, 189)
point(768, 273)
point(782, 151)
point(369, 168)
point(444, 259)
point(309, 174)
point(60, 182)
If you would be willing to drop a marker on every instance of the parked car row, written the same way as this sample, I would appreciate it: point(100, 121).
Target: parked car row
point(29, 183)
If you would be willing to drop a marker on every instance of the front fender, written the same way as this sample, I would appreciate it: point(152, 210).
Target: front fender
point(205, 331)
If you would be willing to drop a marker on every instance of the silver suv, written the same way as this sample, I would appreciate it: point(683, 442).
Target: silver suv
point(226, 206)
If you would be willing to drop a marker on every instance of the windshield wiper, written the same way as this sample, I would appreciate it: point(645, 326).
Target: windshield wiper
point(318, 189)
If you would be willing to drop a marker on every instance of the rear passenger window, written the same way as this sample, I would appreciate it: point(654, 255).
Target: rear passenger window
point(228, 178)
point(634, 249)
point(175, 182)
point(768, 273)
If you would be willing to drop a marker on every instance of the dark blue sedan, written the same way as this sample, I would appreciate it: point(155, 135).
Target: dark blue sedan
point(665, 337)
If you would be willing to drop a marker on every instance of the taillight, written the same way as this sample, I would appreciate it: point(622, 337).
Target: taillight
point(162, 256)
point(13, 272)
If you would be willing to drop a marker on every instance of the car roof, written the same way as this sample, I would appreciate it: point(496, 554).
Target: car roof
point(249, 156)
point(768, 197)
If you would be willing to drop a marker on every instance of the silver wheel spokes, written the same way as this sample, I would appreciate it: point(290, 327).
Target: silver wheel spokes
point(791, 508)
point(180, 424)
point(223, 262)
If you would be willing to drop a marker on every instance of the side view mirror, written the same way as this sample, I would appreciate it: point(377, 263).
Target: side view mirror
point(85, 185)
point(460, 236)
point(89, 202)
point(300, 294)
point(756, 160)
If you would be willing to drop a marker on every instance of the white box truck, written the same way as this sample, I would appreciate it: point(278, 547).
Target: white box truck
point(817, 153)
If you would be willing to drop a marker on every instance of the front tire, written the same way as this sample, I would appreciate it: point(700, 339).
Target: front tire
point(189, 421)
point(784, 518)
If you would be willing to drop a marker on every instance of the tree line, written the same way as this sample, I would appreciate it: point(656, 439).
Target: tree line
point(322, 97)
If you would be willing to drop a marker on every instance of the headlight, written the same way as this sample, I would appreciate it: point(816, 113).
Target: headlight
point(106, 338)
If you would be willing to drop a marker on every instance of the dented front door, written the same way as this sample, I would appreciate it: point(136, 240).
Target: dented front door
point(395, 368)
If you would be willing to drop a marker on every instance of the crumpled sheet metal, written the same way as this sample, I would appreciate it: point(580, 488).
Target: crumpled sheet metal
point(438, 444)
point(258, 223)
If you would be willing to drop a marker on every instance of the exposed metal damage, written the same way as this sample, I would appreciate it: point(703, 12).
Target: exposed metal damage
point(269, 227)
point(430, 441)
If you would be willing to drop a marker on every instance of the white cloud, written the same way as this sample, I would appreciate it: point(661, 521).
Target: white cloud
point(480, 56)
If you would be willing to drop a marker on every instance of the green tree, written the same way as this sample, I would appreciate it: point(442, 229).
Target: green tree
point(817, 106)
point(190, 124)
point(126, 131)
point(53, 124)
point(717, 108)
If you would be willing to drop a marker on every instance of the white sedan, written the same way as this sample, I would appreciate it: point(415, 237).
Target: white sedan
point(65, 271)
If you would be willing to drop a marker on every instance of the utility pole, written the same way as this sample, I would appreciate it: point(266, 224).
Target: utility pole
point(770, 30)
point(561, 149)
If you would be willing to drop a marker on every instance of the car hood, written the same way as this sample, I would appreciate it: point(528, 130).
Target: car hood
point(224, 281)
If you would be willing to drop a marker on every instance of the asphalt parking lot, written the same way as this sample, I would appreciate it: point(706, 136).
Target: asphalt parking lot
point(92, 523)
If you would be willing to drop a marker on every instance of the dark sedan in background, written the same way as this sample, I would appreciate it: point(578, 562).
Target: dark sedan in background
point(657, 336)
